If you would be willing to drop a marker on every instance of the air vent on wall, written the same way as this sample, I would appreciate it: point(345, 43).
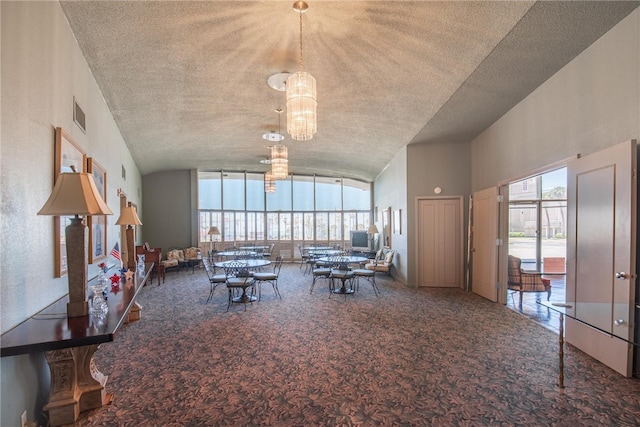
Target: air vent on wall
point(78, 116)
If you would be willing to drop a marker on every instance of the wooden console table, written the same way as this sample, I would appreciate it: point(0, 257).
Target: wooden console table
point(69, 344)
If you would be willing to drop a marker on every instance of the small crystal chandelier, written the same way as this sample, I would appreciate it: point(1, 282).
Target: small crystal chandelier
point(269, 182)
point(301, 95)
point(279, 157)
point(279, 161)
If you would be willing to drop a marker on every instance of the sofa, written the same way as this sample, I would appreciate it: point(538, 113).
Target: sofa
point(382, 262)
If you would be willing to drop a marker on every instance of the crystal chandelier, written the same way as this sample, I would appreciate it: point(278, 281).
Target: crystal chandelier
point(279, 156)
point(279, 162)
point(269, 183)
point(301, 95)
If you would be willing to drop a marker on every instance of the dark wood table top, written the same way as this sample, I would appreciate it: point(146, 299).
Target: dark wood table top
point(51, 329)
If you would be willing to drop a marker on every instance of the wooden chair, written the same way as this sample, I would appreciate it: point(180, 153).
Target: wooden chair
point(526, 281)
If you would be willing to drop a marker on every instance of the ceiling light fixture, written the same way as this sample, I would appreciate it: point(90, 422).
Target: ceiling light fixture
point(273, 136)
point(269, 182)
point(279, 162)
point(279, 156)
point(301, 95)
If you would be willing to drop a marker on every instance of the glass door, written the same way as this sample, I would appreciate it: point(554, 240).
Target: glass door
point(524, 235)
point(537, 221)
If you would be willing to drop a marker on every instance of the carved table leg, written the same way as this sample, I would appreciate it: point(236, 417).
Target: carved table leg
point(90, 381)
point(64, 395)
point(76, 384)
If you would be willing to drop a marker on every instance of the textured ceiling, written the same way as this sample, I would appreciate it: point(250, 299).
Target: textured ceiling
point(187, 81)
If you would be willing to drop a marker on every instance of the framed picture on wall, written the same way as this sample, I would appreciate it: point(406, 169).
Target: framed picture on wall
point(386, 227)
point(397, 221)
point(97, 224)
point(69, 155)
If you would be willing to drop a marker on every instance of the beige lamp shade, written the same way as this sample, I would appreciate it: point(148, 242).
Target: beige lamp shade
point(372, 229)
point(128, 216)
point(213, 231)
point(75, 194)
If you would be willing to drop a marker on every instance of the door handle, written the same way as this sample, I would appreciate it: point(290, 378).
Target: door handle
point(618, 322)
point(621, 275)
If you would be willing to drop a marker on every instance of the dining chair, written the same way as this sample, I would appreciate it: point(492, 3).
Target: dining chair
point(368, 275)
point(340, 270)
point(304, 255)
point(215, 280)
point(269, 277)
point(238, 280)
point(268, 253)
point(320, 271)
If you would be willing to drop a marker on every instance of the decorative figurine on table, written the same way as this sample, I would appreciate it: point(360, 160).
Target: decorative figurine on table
point(115, 287)
point(103, 267)
point(115, 278)
point(129, 275)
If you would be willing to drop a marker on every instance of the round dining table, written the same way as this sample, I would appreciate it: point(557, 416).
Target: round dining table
point(324, 252)
point(257, 248)
point(250, 263)
point(235, 253)
point(318, 248)
point(343, 265)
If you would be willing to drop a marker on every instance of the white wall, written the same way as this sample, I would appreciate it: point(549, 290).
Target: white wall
point(42, 69)
point(446, 165)
point(592, 103)
point(168, 198)
point(390, 190)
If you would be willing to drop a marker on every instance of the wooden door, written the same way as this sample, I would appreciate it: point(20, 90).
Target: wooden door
point(484, 249)
point(601, 244)
point(439, 242)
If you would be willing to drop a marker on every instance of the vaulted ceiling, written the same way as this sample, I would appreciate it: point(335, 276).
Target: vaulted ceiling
point(186, 81)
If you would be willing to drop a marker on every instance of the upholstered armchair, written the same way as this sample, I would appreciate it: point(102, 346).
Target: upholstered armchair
point(174, 258)
point(192, 253)
point(525, 281)
point(383, 261)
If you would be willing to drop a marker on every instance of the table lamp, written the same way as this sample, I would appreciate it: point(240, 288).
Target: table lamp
point(213, 231)
point(76, 194)
point(372, 231)
point(129, 217)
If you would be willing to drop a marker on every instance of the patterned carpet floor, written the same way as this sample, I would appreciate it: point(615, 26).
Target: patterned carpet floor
point(410, 357)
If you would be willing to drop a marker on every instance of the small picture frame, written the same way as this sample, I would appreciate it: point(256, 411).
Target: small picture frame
point(97, 224)
point(68, 155)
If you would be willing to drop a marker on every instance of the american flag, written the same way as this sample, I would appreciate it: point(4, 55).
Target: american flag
point(115, 252)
